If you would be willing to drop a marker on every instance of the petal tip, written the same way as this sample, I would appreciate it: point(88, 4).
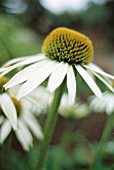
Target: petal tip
point(14, 127)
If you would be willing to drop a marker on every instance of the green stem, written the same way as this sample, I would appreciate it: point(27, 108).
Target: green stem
point(5, 151)
point(49, 127)
point(105, 135)
point(104, 138)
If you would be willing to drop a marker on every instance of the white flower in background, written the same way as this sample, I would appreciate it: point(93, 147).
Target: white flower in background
point(64, 53)
point(27, 123)
point(76, 111)
point(104, 105)
point(43, 99)
point(7, 105)
point(39, 100)
point(109, 147)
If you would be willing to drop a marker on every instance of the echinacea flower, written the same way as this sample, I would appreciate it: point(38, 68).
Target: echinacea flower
point(104, 105)
point(27, 123)
point(43, 99)
point(65, 52)
point(76, 111)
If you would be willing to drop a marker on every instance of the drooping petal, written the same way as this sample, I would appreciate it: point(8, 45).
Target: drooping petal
point(96, 69)
point(21, 63)
point(9, 109)
point(15, 60)
point(23, 135)
point(71, 85)
point(5, 130)
point(90, 82)
point(2, 69)
point(110, 108)
point(104, 81)
point(98, 105)
point(38, 77)
point(57, 76)
point(24, 74)
point(33, 124)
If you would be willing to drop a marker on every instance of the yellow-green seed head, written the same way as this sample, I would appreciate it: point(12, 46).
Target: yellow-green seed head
point(17, 104)
point(3, 80)
point(67, 45)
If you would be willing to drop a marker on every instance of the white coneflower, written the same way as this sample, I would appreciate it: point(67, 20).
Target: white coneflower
point(64, 53)
point(7, 105)
point(104, 105)
point(77, 111)
point(43, 99)
point(26, 123)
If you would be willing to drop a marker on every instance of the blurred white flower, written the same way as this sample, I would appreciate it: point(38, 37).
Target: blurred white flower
point(27, 123)
point(43, 99)
point(109, 147)
point(76, 111)
point(64, 53)
point(104, 105)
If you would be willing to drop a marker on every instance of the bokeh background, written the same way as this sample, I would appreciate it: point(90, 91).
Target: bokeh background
point(23, 27)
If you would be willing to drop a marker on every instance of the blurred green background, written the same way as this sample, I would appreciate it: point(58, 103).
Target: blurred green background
point(23, 27)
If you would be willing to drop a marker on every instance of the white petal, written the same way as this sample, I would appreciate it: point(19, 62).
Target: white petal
point(104, 81)
point(21, 63)
point(38, 77)
point(98, 70)
point(15, 60)
point(110, 108)
point(57, 76)
point(90, 82)
point(24, 74)
point(2, 69)
point(33, 124)
point(9, 109)
point(23, 135)
point(64, 100)
point(71, 85)
point(5, 130)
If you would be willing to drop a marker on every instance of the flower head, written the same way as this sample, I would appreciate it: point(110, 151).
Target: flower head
point(26, 122)
point(76, 111)
point(104, 105)
point(64, 52)
point(69, 46)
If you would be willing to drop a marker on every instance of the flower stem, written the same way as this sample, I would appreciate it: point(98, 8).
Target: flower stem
point(49, 127)
point(105, 135)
